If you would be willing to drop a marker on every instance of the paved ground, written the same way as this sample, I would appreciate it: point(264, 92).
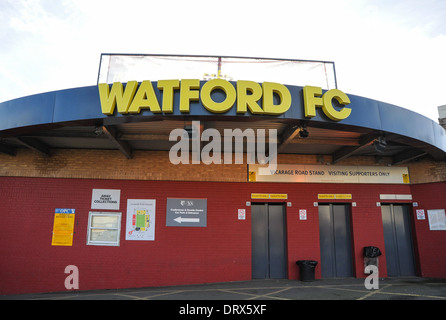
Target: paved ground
point(331, 289)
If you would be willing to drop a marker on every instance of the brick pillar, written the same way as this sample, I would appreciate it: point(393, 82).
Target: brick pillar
point(442, 116)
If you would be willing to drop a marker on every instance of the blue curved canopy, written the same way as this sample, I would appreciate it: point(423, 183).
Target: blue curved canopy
point(80, 104)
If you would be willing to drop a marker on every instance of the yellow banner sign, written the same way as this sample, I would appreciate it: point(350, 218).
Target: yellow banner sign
point(329, 174)
point(63, 227)
point(338, 196)
point(274, 196)
point(325, 196)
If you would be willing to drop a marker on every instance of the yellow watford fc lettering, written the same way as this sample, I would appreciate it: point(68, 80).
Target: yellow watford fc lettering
point(268, 98)
point(218, 107)
point(116, 96)
point(312, 100)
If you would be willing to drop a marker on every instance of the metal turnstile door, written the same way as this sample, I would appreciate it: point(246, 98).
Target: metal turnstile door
point(398, 240)
point(269, 259)
point(335, 240)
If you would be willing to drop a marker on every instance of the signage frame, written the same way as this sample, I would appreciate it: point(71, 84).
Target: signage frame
point(186, 212)
point(328, 174)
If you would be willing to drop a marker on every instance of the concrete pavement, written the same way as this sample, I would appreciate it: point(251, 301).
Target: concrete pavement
point(327, 289)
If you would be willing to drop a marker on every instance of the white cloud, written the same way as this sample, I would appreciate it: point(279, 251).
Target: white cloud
point(390, 51)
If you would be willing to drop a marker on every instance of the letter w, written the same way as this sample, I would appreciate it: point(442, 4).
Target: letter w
point(117, 96)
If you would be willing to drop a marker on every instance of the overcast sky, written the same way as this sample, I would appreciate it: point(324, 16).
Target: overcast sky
point(388, 50)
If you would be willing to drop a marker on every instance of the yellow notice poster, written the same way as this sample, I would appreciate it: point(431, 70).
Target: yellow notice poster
point(63, 227)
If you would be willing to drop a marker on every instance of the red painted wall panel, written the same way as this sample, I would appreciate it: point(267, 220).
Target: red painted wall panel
point(181, 255)
point(431, 244)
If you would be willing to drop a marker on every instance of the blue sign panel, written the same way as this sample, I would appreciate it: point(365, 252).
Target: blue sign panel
point(65, 210)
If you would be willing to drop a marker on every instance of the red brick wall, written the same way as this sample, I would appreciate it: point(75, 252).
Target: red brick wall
point(366, 222)
point(155, 165)
point(431, 244)
point(182, 255)
point(220, 252)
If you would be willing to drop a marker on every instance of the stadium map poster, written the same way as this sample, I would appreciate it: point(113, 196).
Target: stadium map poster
point(140, 222)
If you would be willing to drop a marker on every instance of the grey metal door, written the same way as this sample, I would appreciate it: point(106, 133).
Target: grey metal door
point(398, 240)
point(268, 241)
point(335, 240)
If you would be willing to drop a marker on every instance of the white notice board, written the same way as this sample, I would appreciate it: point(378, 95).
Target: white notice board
point(437, 219)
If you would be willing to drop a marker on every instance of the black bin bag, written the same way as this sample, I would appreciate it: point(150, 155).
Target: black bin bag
point(307, 268)
point(371, 252)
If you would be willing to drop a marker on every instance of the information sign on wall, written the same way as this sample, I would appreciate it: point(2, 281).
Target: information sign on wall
point(420, 214)
point(63, 227)
point(140, 222)
point(241, 214)
point(437, 219)
point(186, 212)
point(108, 199)
point(330, 196)
point(275, 196)
point(328, 174)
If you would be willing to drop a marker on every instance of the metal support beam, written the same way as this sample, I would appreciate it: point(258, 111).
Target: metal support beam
point(35, 145)
point(287, 136)
point(123, 146)
point(407, 156)
point(346, 152)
